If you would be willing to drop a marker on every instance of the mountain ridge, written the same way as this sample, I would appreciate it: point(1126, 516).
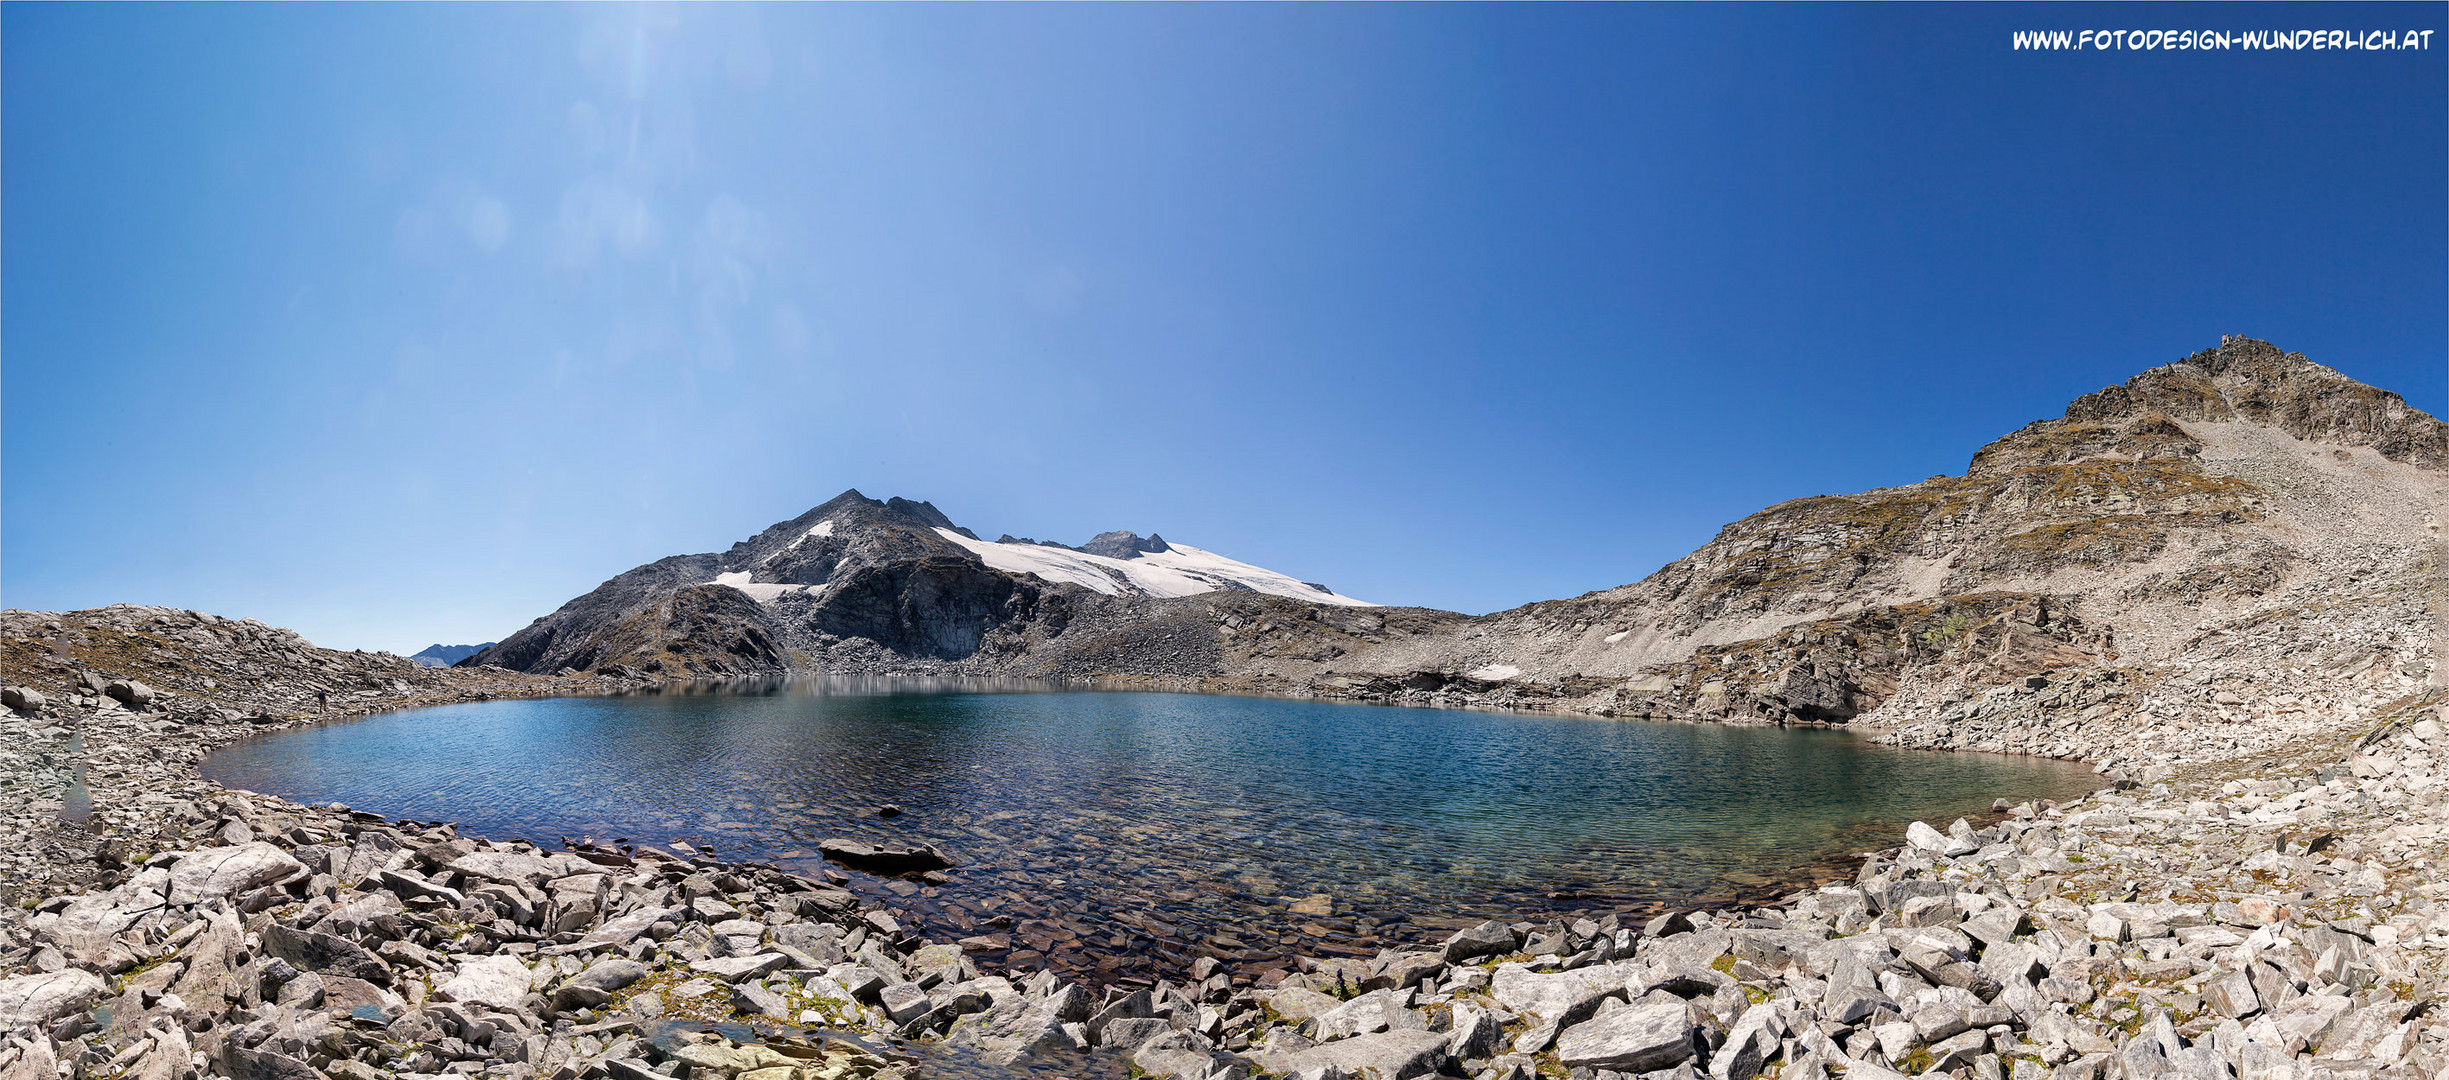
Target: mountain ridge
point(895, 579)
point(2209, 489)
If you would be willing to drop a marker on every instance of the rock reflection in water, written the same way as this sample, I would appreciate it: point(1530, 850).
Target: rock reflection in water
point(1120, 836)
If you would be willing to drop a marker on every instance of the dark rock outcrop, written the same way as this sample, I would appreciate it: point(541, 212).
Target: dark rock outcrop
point(1123, 545)
point(853, 567)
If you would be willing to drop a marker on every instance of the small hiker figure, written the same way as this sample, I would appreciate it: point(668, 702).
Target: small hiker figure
point(323, 699)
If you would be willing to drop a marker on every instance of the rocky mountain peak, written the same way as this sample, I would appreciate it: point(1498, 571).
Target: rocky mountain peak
point(2253, 381)
point(1121, 544)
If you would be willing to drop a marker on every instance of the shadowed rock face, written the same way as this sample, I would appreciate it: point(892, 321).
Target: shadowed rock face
point(2195, 491)
point(851, 568)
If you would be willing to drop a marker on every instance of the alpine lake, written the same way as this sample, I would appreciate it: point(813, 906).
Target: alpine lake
point(1117, 836)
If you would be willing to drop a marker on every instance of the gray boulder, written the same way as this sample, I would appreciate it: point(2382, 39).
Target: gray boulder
point(1133, 1033)
point(1299, 1003)
point(741, 968)
point(903, 1002)
point(130, 693)
point(1181, 1054)
point(213, 873)
point(821, 941)
point(23, 698)
point(1404, 970)
point(1374, 1011)
point(1636, 1039)
point(1391, 1055)
point(405, 885)
point(1020, 1027)
point(1755, 1037)
point(1851, 1005)
point(327, 953)
point(43, 998)
point(573, 997)
point(1132, 1006)
point(757, 999)
point(609, 976)
point(1563, 996)
point(1998, 926)
point(1487, 939)
point(627, 928)
point(1475, 1034)
point(498, 981)
point(509, 867)
point(241, 1064)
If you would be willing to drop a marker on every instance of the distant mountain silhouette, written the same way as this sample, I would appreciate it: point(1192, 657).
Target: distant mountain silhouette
point(447, 655)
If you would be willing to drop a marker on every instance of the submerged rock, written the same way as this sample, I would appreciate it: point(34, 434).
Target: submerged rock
point(883, 858)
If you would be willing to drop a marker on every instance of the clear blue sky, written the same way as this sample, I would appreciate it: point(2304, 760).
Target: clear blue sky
point(406, 323)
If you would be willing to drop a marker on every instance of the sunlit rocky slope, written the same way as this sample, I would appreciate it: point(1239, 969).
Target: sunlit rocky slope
point(2242, 516)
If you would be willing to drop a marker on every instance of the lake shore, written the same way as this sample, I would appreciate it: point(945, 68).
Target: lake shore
point(2274, 918)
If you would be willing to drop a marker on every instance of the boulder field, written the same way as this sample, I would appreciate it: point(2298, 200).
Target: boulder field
point(2276, 917)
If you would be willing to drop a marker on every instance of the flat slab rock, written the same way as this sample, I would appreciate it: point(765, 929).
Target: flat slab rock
point(517, 868)
point(883, 858)
point(499, 981)
point(1562, 994)
point(41, 999)
point(736, 968)
point(325, 953)
point(1638, 1038)
point(1390, 1055)
point(214, 873)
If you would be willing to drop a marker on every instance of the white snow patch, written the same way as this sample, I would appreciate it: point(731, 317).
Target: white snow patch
point(1495, 672)
point(1181, 571)
point(823, 528)
point(1618, 636)
point(765, 593)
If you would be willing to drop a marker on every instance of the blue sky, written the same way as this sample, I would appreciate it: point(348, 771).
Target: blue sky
point(406, 323)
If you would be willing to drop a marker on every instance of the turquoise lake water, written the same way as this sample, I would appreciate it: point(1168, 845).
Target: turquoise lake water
point(1123, 833)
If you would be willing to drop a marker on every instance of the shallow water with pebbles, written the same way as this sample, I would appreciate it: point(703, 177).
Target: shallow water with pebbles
point(1118, 836)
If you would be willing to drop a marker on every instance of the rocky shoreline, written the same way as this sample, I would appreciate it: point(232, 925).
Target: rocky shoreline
point(2270, 916)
